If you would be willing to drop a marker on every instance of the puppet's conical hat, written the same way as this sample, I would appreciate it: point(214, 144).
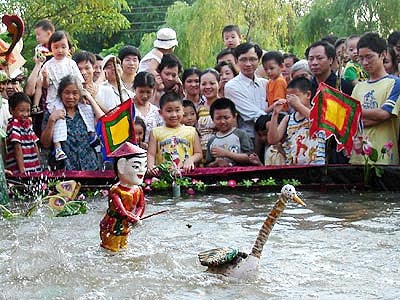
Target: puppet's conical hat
point(127, 149)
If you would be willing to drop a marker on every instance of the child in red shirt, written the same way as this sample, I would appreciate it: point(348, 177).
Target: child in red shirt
point(22, 150)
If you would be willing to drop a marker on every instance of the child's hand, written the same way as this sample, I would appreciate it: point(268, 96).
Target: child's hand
point(294, 101)
point(45, 74)
point(58, 114)
point(188, 165)
point(86, 97)
point(255, 160)
point(144, 145)
point(178, 87)
point(279, 105)
point(159, 82)
point(223, 162)
point(153, 171)
point(218, 152)
point(92, 89)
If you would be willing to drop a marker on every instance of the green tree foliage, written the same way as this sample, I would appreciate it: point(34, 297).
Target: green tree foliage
point(144, 16)
point(199, 26)
point(102, 17)
point(73, 16)
point(343, 18)
point(288, 25)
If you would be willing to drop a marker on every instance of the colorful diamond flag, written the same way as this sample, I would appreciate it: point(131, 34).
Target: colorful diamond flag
point(337, 114)
point(117, 126)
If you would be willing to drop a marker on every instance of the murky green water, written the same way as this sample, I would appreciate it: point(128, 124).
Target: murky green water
point(342, 246)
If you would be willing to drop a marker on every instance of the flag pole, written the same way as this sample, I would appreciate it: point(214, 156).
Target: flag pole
point(118, 78)
point(328, 150)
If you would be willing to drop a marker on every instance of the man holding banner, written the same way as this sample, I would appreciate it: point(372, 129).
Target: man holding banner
point(320, 56)
point(379, 97)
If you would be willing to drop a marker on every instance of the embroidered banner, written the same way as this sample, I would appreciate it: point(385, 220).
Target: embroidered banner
point(337, 114)
point(117, 126)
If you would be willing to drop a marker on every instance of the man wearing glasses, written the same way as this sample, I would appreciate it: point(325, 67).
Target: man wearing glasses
point(379, 97)
point(246, 90)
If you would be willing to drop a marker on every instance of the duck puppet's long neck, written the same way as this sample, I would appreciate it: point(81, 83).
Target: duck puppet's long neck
point(266, 228)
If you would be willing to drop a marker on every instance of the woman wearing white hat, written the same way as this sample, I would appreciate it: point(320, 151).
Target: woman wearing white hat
point(165, 43)
point(111, 76)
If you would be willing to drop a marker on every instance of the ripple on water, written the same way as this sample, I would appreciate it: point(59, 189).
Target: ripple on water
point(193, 204)
point(339, 247)
point(222, 200)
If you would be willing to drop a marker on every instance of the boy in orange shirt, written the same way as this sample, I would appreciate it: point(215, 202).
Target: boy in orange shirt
point(272, 62)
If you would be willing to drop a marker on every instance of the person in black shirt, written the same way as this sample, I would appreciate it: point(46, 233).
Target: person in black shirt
point(320, 56)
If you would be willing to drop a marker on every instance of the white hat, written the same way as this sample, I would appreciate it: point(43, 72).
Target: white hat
point(166, 39)
point(107, 59)
point(17, 72)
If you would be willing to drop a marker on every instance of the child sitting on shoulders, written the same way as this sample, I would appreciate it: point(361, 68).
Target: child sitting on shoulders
point(53, 71)
point(189, 113)
point(231, 36)
point(140, 130)
point(43, 31)
point(180, 141)
point(272, 62)
point(353, 71)
point(273, 155)
point(229, 146)
point(300, 148)
point(165, 43)
point(22, 150)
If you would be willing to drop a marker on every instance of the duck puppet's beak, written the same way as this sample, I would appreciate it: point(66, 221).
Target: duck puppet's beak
point(298, 200)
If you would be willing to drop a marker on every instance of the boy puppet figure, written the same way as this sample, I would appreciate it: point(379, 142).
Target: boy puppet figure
point(126, 198)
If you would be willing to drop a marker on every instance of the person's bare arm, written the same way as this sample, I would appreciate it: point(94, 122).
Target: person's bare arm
point(98, 111)
point(255, 160)
point(241, 158)
point(37, 150)
point(275, 131)
point(375, 116)
point(19, 157)
point(151, 155)
point(38, 92)
point(30, 86)
point(45, 78)
point(152, 66)
point(196, 157)
point(295, 102)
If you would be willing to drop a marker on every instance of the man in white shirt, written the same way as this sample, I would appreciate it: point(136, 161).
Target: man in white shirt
point(246, 90)
point(104, 95)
